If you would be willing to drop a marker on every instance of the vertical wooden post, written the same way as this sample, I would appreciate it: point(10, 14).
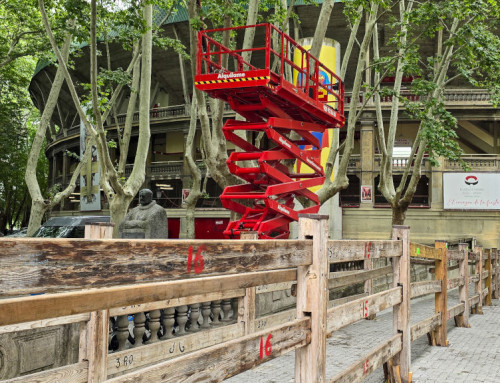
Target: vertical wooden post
point(246, 304)
point(441, 298)
point(479, 284)
point(368, 265)
point(496, 278)
point(312, 299)
point(462, 320)
point(97, 332)
point(489, 278)
point(401, 312)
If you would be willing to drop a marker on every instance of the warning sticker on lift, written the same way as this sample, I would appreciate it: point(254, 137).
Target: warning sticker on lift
point(231, 77)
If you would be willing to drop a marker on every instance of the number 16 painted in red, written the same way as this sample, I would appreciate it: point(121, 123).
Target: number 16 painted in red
point(267, 348)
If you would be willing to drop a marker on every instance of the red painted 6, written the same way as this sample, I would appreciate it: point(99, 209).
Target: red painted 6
point(267, 349)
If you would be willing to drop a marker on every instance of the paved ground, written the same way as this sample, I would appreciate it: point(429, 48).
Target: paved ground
point(473, 354)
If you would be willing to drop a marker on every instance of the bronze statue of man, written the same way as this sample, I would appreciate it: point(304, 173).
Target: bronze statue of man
point(147, 220)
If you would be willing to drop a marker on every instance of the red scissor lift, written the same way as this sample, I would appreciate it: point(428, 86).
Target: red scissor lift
point(283, 115)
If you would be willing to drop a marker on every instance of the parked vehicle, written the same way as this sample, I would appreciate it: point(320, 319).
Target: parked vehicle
point(19, 233)
point(68, 227)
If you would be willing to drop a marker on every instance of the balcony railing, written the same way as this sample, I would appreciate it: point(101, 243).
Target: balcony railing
point(452, 97)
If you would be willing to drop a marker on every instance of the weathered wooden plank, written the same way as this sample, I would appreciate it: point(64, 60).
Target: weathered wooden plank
point(134, 358)
point(219, 362)
point(45, 323)
point(358, 277)
point(72, 373)
point(425, 287)
point(456, 310)
point(456, 255)
point(484, 274)
point(484, 292)
point(175, 302)
point(340, 301)
point(474, 278)
point(474, 300)
point(37, 265)
point(425, 326)
point(348, 313)
point(347, 250)
point(420, 261)
point(97, 345)
point(273, 287)
point(455, 282)
point(312, 300)
point(474, 255)
point(441, 298)
point(363, 367)
point(423, 251)
point(273, 320)
point(26, 309)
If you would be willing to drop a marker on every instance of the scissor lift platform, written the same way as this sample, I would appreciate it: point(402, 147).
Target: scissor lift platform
point(282, 100)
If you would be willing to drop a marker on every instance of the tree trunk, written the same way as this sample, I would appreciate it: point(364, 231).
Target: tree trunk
point(118, 207)
point(398, 214)
point(38, 209)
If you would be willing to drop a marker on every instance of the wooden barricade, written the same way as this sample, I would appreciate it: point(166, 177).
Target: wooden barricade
point(396, 348)
point(90, 281)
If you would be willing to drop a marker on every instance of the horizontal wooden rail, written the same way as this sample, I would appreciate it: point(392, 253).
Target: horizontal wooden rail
point(474, 300)
point(456, 310)
point(226, 359)
point(474, 278)
point(455, 282)
point(26, 309)
point(176, 302)
point(358, 277)
point(360, 369)
point(272, 320)
point(456, 255)
point(425, 326)
point(485, 274)
point(134, 358)
point(423, 251)
point(45, 323)
point(50, 265)
point(273, 287)
point(474, 255)
point(348, 313)
point(72, 373)
point(419, 289)
point(343, 250)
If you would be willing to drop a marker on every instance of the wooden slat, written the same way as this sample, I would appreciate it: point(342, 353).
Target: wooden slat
point(131, 359)
point(273, 287)
point(45, 323)
point(474, 278)
point(425, 287)
point(456, 255)
point(38, 265)
point(345, 250)
point(363, 367)
point(216, 363)
point(175, 302)
point(456, 310)
point(343, 300)
point(423, 251)
point(348, 313)
point(484, 292)
point(474, 300)
point(425, 326)
point(455, 282)
point(474, 255)
point(72, 373)
point(358, 277)
point(25, 309)
point(484, 274)
point(273, 320)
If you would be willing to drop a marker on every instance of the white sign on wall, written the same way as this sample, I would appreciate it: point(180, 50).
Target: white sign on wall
point(471, 191)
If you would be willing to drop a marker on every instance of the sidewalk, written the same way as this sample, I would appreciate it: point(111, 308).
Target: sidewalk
point(473, 354)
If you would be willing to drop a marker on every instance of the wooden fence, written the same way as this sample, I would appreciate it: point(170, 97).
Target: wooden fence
point(196, 301)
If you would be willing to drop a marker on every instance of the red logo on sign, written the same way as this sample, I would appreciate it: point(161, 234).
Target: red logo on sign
point(471, 180)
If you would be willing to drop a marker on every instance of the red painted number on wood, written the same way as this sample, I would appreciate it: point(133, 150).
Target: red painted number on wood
point(199, 262)
point(267, 348)
point(365, 309)
point(366, 367)
point(368, 246)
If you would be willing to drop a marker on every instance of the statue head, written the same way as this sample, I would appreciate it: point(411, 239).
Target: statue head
point(145, 197)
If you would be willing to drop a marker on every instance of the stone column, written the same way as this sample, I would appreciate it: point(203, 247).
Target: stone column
point(436, 191)
point(367, 150)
